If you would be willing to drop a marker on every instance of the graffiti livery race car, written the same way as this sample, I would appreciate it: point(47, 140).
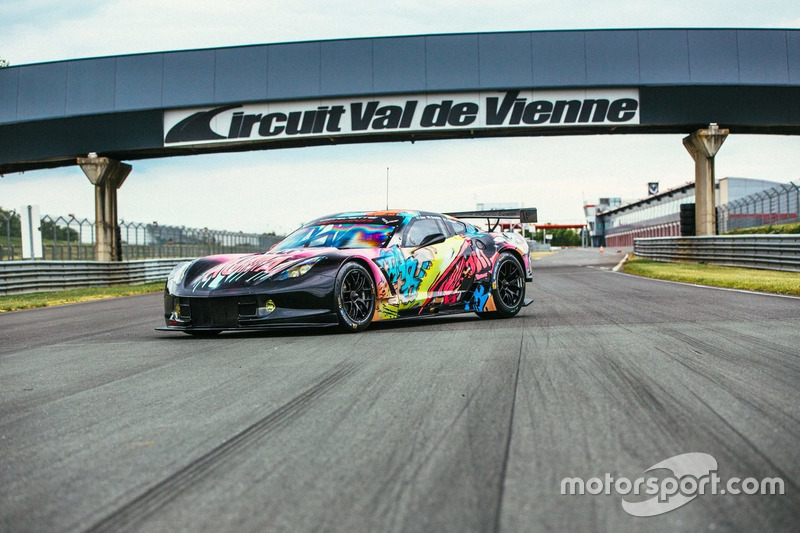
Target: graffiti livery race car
point(351, 269)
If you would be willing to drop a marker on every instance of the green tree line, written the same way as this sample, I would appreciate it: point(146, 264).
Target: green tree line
point(561, 237)
point(49, 229)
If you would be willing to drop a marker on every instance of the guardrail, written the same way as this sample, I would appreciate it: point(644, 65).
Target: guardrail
point(18, 277)
point(771, 252)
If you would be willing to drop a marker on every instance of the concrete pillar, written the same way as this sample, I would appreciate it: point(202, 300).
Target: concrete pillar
point(107, 175)
point(703, 145)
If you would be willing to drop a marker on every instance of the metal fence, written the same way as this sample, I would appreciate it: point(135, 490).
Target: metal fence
point(778, 205)
point(771, 252)
point(73, 239)
point(6, 233)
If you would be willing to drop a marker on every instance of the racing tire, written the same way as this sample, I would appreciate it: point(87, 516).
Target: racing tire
point(508, 287)
point(355, 295)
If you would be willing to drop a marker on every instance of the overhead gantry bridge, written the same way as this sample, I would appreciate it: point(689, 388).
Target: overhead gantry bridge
point(99, 112)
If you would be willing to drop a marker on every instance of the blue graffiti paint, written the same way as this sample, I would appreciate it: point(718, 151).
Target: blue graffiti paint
point(478, 300)
point(404, 273)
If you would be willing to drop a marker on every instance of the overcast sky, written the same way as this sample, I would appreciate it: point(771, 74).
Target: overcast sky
point(277, 190)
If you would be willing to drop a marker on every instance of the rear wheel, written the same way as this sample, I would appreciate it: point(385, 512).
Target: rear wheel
point(355, 297)
point(508, 287)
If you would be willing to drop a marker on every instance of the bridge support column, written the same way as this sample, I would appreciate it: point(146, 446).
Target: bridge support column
point(703, 145)
point(107, 175)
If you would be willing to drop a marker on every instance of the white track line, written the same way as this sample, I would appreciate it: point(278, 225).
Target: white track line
point(621, 262)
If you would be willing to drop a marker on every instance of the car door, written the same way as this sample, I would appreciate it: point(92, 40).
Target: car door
point(437, 257)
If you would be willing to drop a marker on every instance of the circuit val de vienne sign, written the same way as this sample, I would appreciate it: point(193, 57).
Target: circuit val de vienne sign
point(407, 113)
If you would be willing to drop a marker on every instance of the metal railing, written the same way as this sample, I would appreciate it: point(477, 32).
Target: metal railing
point(771, 252)
point(73, 239)
point(17, 277)
point(778, 205)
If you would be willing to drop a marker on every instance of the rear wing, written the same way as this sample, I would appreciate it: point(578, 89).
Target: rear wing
point(527, 215)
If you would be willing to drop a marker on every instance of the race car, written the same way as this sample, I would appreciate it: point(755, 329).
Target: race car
point(350, 269)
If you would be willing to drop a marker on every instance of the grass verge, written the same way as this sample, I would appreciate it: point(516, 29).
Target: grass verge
point(15, 302)
point(535, 256)
point(718, 276)
point(770, 229)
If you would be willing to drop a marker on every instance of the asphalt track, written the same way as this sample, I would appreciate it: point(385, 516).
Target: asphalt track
point(450, 424)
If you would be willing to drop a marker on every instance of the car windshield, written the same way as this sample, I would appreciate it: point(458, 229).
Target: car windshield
point(339, 235)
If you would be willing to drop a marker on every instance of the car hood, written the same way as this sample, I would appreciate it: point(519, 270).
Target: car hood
point(237, 271)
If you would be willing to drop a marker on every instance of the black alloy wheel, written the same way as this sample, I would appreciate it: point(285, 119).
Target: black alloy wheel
point(355, 297)
point(508, 287)
point(510, 284)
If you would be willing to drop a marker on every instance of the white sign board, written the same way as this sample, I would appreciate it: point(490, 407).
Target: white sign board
point(31, 233)
point(241, 123)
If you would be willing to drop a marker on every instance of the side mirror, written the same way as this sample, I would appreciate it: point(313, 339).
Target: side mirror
point(433, 238)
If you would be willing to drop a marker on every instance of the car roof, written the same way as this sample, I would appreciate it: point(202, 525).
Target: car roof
point(394, 215)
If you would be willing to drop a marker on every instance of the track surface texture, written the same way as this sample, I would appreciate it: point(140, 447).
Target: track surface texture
point(447, 424)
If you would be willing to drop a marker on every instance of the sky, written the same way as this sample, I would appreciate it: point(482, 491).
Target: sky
point(278, 190)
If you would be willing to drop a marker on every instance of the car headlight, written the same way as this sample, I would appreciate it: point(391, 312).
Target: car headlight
point(297, 269)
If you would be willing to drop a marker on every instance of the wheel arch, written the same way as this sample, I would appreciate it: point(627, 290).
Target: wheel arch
point(518, 256)
point(364, 262)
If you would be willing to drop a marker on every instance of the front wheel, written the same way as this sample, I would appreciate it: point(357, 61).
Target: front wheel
point(508, 287)
point(355, 297)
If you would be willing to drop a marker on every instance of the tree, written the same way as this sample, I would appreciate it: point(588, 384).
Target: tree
point(6, 220)
point(565, 237)
point(4, 63)
point(560, 237)
point(50, 230)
